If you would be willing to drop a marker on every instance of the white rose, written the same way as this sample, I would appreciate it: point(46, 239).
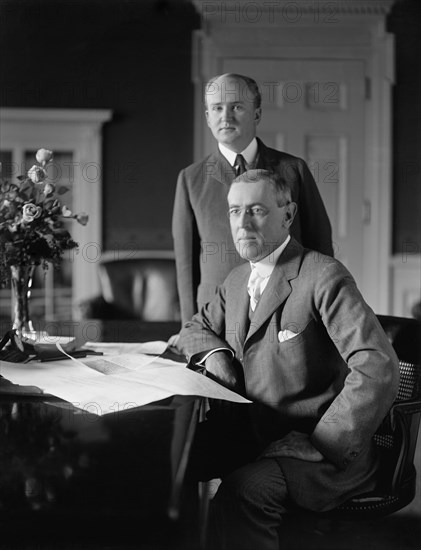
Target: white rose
point(43, 156)
point(37, 174)
point(30, 212)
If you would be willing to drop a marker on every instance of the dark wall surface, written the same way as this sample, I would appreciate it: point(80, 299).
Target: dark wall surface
point(129, 56)
point(405, 23)
point(134, 57)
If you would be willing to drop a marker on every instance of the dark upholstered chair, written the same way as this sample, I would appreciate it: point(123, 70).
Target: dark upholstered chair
point(139, 285)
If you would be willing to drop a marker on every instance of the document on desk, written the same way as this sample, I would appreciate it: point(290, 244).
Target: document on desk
point(110, 383)
point(156, 347)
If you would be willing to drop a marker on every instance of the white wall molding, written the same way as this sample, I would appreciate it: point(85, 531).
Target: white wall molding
point(291, 9)
point(405, 274)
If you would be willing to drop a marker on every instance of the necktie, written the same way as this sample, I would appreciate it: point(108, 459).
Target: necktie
point(239, 165)
point(253, 287)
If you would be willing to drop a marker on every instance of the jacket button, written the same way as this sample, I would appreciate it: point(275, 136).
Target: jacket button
point(354, 454)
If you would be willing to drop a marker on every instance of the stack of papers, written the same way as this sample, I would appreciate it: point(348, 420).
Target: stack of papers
point(126, 376)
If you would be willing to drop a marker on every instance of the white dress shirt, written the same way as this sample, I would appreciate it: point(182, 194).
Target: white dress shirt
point(265, 268)
point(249, 153)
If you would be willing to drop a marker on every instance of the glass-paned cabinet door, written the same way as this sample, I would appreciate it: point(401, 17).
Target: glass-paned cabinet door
point(74, 136)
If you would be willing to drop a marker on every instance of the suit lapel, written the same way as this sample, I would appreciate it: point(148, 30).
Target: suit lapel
point(278, 288)
point(266, 160)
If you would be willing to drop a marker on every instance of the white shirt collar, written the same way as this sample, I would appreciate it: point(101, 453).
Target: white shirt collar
point(249, 153)
point(267, 264)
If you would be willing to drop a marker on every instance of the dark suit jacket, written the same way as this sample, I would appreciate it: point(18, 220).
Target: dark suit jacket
point(204, 249)
point(336, 379)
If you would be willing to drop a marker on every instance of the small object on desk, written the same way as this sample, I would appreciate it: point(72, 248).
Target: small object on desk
point(15, 356)
point(15, 350)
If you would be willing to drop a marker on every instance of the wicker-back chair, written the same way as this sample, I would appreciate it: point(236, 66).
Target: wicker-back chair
point(396, 440)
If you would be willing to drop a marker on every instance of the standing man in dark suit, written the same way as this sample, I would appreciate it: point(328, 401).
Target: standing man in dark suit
point(290, 330)
point(204, 250)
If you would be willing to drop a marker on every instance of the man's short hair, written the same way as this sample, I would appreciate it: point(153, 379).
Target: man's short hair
point(251, 86)
point(278, 183)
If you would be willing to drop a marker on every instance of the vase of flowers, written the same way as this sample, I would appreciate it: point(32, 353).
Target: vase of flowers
point(32, 233)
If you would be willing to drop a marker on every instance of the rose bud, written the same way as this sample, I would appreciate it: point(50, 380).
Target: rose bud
point(82, 218)
point(43, 156)
point(49, 189)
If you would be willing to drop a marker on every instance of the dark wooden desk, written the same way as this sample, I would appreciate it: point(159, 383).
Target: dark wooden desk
point(70, 477)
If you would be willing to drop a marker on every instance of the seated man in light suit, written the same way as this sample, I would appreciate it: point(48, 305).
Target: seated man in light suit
point(291, 331)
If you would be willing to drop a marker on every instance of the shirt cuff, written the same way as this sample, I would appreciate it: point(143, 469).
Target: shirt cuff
point(197, 361)
point(207, 354)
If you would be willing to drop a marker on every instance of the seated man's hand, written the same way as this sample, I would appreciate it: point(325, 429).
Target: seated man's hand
point(293, 445)
point(172, 340)
point(219, 367)
point(172, 343)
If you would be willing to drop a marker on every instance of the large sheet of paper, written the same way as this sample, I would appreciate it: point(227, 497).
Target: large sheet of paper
point(111, 383)
point(155, 347)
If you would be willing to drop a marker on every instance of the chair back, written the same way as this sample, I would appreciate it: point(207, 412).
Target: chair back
point(396, 441)
point(404, 334)
point(142, 284)
point(397, 436)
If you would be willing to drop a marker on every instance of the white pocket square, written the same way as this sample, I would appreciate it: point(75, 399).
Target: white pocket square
point(284, 335)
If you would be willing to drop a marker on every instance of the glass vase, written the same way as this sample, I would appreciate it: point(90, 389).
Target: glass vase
point(21, 282)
